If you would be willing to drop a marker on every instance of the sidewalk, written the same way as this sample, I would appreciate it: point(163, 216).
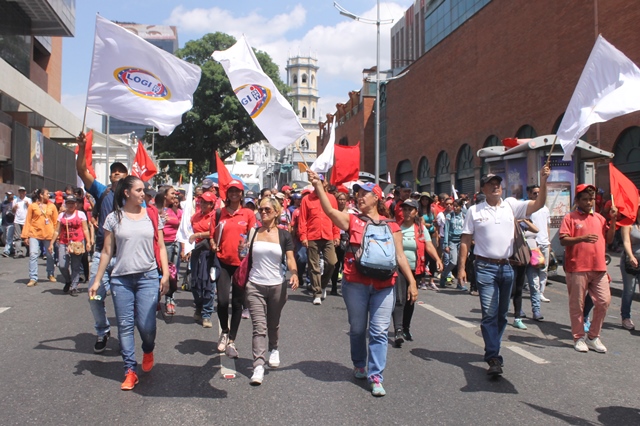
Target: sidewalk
point(614, 271)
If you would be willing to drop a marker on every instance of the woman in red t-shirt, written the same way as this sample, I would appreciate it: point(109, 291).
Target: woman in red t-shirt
point(369, 301)
point(230, 234)
point(172, 215)
point(72, 226)
point(201, 259)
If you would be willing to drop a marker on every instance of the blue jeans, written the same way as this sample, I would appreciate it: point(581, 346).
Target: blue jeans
point(66, 260)
point(494, 283)
point(367, 306)
point(173, 256)
point(98, 309)
point(34, 253)
point(450, 261)
point(202, 298)
point(135, 298)
point(628, 288)
point(8, 248)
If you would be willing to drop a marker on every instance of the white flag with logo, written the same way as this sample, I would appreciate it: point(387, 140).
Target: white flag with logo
point(608, 87)
point(256, 92)
point(137, 82)
point(185, 230)
point(325, 160)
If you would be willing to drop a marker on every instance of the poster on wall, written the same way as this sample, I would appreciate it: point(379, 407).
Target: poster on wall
point(37, 150)
point(559, 188)
point(516, 178)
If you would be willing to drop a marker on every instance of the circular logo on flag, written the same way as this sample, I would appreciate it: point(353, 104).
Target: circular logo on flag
point(142, 83)
point(254, 98)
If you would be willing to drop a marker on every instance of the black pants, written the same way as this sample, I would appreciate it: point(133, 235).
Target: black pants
point(337, 270)
point(520, 273)
point(403, 309)
point(226, 289)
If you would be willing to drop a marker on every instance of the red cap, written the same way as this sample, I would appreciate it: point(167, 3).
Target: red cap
point(584, 186)
point(286, 188)
point(209, 197)
point(235, 183)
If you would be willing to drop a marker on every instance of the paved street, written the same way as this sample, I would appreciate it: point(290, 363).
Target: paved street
point(50, 374)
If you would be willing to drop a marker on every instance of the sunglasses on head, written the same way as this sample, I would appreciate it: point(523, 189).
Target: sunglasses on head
point(265, 210)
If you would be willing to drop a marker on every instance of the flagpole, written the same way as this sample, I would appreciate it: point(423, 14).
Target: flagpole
point(301, 155)
point(106, 158)
point(551, 151)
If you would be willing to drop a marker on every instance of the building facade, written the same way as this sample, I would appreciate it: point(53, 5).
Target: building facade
point(32, 121)
point(164, 37)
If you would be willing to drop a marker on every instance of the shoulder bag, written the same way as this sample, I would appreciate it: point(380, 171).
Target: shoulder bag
point(73, 247)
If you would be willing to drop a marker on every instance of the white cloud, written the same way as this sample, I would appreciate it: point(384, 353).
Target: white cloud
point(76, 104)
point(256, 27)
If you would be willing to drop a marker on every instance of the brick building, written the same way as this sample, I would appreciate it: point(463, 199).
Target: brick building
point(508, 70)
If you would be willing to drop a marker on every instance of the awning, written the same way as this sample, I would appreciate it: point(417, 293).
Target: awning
point(587, 151)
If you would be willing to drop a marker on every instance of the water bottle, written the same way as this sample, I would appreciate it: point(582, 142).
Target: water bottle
point(244, 250)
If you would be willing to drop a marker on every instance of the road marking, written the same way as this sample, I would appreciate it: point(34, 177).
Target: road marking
point(4, 310)
point(528, 355)
point(450, 317)
point(227, 365)
point(517, 349)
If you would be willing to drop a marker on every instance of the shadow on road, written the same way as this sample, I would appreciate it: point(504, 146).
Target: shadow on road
point(82, 343)
point(477, 379)
point(166, 380)
point(568, 418)
point(327, 371)
point(194, 346)
point(616, 415)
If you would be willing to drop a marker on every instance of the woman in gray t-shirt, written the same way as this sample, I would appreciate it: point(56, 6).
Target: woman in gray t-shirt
point(129, 230)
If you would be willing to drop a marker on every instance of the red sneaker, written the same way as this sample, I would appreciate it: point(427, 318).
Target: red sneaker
point(147, 362)
point(130, 380)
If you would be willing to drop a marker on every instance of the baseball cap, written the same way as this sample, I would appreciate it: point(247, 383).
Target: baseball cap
point(148, 190)
point(251, 194)
point(22, 188)
point(415, 194)
point(209, 197)
point(70, 199)
point(410, 202)
point(405, 184)
point(235, 183)
point(118, 166)
point(296, 196)
point(486, 178)
point(9, 193)
point(583, 187)
point(286, 188)
point(59, 197)
point(390, 195)
point(249, 200)
point(207, 183)
point(369, 187)
point(280, 195)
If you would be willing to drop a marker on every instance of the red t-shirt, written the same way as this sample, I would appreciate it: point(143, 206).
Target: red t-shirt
point(171, 225)
point(73, 225)
point(397, 212)
point(351, 274)
point(202, 223)
point(584, 257)
point(233, 225)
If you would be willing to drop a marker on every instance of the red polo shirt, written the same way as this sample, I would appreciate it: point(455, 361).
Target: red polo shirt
point(313, 223)
point(233, 225)
point(584, 257)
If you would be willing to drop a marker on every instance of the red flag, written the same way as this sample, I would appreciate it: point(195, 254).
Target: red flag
point(346, 164)
point(88, 153)
point(143, 166)
point(624, 194)
point(224, 177)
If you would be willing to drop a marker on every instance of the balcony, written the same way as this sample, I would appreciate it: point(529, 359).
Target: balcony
point(50, 17)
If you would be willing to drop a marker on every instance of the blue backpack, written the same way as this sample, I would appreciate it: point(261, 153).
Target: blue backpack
point(376, 257)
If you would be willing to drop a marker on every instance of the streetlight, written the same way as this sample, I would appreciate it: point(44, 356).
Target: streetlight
point(153, 133)
point(377, 22)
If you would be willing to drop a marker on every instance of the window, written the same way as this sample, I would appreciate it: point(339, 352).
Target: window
point(526, 132)
point(295, 79)
point(304, 78)
point(313, 113)
point(313, 80)
point(304, 112)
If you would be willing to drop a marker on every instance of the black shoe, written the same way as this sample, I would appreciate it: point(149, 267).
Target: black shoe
point(66, 287)
point(407, 335)
point(101, 343)
point(399, 340)
point(495, 367)
point(334, 293)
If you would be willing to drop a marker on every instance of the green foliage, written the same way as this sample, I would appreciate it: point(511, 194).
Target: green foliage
point(217, 118)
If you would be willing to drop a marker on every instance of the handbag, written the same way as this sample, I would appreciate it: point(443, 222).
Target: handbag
point(241, 275)
point(521, 251)
point(73, 247)
point(537, 258)
point(629, 268)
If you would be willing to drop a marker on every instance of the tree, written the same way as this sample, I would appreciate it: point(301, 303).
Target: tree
point(217, 118)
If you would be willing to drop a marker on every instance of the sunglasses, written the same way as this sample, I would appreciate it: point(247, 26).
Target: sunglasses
point(448, 204)
point(265, 210)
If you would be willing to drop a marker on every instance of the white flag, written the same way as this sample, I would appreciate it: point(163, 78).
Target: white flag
point(134, 81)
point(269, 109)
point(325, 160)
point(185, 230)
point(608, 87)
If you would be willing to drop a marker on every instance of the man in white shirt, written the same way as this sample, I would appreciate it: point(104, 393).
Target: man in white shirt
point(491, 225)
point(538, 277)
point(20, 210)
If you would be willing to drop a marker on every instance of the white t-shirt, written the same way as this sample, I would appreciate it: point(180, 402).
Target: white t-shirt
point(266, 258)
point(542, 219)
point(441, 219)
point(21, 211)
point(492, 228)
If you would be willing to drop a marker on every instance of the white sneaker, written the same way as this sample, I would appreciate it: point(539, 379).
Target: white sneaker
point(596, 345)
point(544, 299)
point(580, 345)
point(258, 376)
point(324, 293)
point(274, 359)
point(317, 301)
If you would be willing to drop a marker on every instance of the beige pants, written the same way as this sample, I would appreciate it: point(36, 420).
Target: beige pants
point(319, 283)
point(265, 305)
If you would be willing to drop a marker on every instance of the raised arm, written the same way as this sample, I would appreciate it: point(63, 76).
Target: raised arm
point(536, 205)
point(81, 162)
point(340, 219)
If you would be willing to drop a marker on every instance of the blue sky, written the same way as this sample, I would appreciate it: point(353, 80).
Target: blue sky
point(279, 27)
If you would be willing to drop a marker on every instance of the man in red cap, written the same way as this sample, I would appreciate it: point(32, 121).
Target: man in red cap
point(319, 235)
point(584, 234)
